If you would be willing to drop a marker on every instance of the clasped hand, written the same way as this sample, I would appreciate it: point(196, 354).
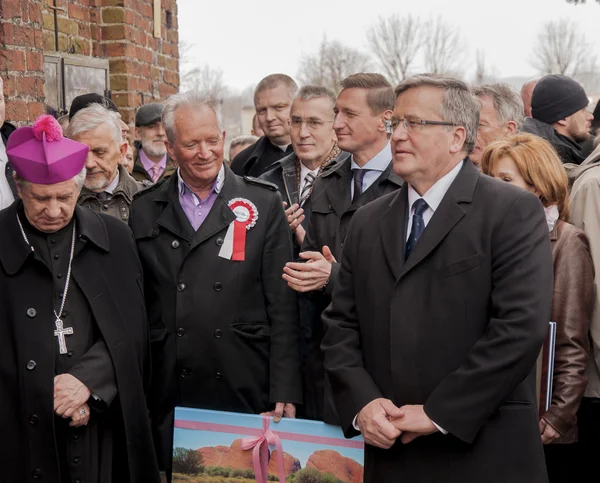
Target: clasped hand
point(70, 399)
point(382, 423)
point(312, 274)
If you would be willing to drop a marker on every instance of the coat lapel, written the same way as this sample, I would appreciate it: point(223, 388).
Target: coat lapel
point(445, 218)
point(393, 231)
point(339, 192)
point(172, 217)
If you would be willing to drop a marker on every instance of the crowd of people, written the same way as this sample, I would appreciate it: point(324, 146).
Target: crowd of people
point(384, 259)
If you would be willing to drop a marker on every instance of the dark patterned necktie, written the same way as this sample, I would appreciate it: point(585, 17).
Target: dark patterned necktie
point(309, 180)
point(359, 175)
point(417, 227)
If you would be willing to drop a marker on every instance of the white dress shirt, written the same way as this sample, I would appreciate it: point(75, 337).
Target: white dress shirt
point(433, 197)
point(6, 195)
point(377, 165)
point(303, 172)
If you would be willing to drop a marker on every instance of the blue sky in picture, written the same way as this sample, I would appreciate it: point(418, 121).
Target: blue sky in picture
point(195, 439)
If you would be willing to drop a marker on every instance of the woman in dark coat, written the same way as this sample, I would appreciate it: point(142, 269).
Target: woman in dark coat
point(530, 163)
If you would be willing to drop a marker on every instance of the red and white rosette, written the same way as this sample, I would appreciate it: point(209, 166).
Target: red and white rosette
point(234, 245)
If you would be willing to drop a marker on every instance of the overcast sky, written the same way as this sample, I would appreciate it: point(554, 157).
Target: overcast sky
point(250, 39)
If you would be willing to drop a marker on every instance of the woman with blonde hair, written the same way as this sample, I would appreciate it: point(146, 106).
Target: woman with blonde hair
point(531, 163)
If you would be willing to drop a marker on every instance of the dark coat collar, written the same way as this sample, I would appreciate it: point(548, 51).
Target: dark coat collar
point(127, 187)
point(448, 214)
point(14, 251)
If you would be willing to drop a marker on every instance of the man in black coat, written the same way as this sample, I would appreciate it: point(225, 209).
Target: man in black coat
point(223, 325)
point(441, 307)
point(559, 107)
point(272, 99)
point(362, 109)
point(75, 362)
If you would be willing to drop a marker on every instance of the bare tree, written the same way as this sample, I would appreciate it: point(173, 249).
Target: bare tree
point(442, 48)
point(562, 48)
point(332, 63)
point(203, 78)
point(396, 42)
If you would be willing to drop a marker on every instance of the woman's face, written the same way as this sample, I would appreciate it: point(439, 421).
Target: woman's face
point(505, 169)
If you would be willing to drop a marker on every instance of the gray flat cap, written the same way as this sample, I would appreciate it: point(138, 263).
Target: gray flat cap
point(148, 114)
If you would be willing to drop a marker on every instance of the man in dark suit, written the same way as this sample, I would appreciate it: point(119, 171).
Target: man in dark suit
point(223, 325)
point(362, 111)
point(441, 307)
point(272, 99)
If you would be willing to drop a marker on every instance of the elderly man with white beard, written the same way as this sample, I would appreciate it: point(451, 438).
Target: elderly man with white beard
point(108, 188)
point(152, 163)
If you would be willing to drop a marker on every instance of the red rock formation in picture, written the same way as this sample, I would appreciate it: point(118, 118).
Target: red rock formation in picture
point(290, 464)
point(232, 457)
point(329, 461)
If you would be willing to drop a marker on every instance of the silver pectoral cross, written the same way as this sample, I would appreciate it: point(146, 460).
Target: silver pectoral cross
point(60, 332)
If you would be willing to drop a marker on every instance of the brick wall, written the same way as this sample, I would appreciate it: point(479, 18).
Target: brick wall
point(22, 59)
point(142, 68)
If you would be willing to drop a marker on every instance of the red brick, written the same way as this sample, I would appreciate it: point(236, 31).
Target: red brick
point(173, 36)
point(171, 77)
point(49, 40)
point(79, 12)
point(35, 13)
point(22, 35)
point(143, 55)
point(113, 3)
point(10, 9)
point(68, 26)
point(36, 109)
point(16, 110)
point(12, 60)
point(35, 61)
point(172, 64)
point(113, 32)
point(85, 31)
point(126, 99)
point(166, 90)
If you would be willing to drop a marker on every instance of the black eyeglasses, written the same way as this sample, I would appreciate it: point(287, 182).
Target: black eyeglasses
point(413, 123)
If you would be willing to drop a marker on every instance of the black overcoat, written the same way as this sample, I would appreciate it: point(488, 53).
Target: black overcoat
point(108, 272)
point(456, 328)
point(224, 333)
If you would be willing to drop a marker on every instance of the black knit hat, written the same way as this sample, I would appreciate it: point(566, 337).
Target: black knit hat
point(86, 100)
point(556, 97)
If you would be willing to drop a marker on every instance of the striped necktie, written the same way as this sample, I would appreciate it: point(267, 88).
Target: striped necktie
point(155, 173)
point(309, 181)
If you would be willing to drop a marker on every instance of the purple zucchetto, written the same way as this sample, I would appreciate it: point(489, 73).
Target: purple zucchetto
point(42, 155)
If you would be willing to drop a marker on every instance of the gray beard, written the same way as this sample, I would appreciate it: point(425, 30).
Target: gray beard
point(153, 151)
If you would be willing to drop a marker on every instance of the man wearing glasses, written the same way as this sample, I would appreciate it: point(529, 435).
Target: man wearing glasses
point(441, 307)
point(362, 113)
point(315, 150)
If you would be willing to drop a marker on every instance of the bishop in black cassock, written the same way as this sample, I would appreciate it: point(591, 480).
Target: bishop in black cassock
point(74, 361)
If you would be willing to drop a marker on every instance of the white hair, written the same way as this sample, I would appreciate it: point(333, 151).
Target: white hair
point(187, 99)
point(79, 179)
point(92, 117)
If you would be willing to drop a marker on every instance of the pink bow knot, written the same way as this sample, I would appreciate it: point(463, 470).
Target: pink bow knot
point(260, 452)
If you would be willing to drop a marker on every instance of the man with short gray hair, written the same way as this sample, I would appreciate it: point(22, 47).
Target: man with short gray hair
point(441, 307)
point(272, 99)
point(224, 337)
point(108, 188)
point(240, 143)
point(501, 115)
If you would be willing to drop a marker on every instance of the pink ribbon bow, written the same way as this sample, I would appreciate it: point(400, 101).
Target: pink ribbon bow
point(260, 452)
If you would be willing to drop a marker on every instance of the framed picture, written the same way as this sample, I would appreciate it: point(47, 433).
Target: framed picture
point(221, 447)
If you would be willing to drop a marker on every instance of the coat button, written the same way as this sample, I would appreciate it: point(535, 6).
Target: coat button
point(330, 207)
point(181, 332)
point(218, 286)
point(181, 287)
point(70, 354)
point(218, 375)
point(37, 474)
point(30, 365)
point(75, 460)
point(175, 244)
point(219, 241)
point(56, 256)
point(155, 232)
point(218, 333)
point(342, 245)
point(105, 207)
point(33, 419)
point(31, 313)
point(185, 372)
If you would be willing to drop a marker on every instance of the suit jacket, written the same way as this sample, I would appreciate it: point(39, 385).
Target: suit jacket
point(139, 173)
point(224, 334)
point(331, 212)
point(456, 328)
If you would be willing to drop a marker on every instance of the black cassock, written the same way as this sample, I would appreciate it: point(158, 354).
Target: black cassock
point(107, 351)
point(85, 453)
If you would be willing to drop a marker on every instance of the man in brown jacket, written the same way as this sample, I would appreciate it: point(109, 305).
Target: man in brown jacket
point(108, 187)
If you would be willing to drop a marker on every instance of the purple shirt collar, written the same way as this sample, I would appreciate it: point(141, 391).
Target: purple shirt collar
point(147, 163)
point(196, 210)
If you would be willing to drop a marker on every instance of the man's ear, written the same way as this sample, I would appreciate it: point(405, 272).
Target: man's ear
point(19, 191)
point(563, 122)
point(138, 134)
point(510, 127)
point(171, 152)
